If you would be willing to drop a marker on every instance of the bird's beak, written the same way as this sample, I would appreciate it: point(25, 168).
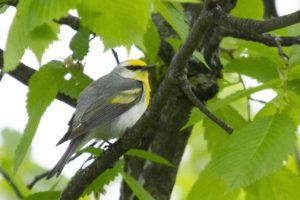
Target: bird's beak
point(147, 67)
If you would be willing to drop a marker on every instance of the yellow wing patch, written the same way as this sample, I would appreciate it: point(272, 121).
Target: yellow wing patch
point(137, 62)
point(125, 97)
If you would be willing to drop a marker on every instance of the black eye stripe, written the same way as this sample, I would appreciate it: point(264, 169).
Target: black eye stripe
point(133, 67)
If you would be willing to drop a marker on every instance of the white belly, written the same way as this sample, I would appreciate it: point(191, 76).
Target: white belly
point(128, 119)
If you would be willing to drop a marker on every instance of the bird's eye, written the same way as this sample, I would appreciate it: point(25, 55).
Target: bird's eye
point(133, 67)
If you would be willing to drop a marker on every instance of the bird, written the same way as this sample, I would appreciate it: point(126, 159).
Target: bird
point(107, 107)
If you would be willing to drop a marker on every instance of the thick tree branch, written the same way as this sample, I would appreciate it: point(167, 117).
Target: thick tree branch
point(23, 74)
point(254, 26)
point(11, 183)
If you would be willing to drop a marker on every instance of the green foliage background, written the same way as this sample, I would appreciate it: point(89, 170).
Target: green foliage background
point(259, 161)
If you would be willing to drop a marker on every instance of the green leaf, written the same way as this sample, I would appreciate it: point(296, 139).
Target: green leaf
point(106, 177)
point(17, 39)
point(41, 37)
point(260, 68)
point(37, 102)
point(30, 15)
point(174, 15)
point(214, 134)
point(210, 187)
point(80, 44)
point(149, 156)
point(281, 185)
point(288, 104)
point(151, 42)
point(117, 22)
point(248, 9)
point(135, 186)
point(51, 195)
point(42, 11)
point(254, 151)
point(73, 86)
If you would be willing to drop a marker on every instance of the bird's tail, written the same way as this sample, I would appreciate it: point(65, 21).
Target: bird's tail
point(57, 169)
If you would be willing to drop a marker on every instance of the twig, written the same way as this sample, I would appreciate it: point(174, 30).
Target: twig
point(11, 183)
point(186, 88)
point(37, 179)
point(280, 50)
point(115, 55)
point(267, 39)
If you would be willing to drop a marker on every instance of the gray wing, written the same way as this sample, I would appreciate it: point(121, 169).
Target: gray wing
point(93, 108)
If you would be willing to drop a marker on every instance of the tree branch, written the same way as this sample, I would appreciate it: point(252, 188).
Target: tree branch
point(253, 26)
point(269, 9)
point(11, 183)
point(23, 74)
point(267, 39)
point(186, 87)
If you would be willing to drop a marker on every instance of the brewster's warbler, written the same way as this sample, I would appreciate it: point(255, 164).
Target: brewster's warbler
point(107, 107)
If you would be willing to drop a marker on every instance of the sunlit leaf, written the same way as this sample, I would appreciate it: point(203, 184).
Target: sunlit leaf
point(260, 68)
point(254, 151)
point(281, 185)
point(116, 22)
point(41, 37)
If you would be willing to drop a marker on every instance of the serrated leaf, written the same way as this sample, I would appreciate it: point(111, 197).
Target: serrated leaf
point(43, 88)
point(149, 156)
point(174, 15)
point(105, 178)
point(210, 187)
point(80, 44)
point(260, 68)
point(41, 37)
point(51, 195)
point(282, 185)
point(136, 187)
point(42, 11)
point(254, 151)
point(106, 18)
point(16, 40)
point(151, 42)
point(30, 15)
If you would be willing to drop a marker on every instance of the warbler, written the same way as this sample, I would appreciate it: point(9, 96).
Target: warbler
point(107, 107)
